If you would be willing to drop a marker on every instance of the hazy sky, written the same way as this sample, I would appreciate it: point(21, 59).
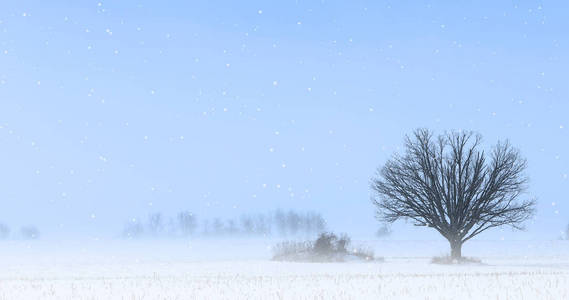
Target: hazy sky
point(111, 110)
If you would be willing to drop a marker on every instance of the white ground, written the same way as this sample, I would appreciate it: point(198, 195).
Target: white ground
point(241, 269)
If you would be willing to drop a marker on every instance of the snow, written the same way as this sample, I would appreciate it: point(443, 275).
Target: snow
point(241, 269)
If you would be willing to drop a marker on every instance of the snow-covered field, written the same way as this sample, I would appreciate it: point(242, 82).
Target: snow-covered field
point(241, 269)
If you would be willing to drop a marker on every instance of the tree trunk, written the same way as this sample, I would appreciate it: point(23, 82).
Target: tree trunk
point(456, 250)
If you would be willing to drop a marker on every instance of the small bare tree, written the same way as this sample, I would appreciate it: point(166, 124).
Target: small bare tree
point(4, 231)
point(30, 232)
point(155, 224)
point(450, 185)
point(187, 223)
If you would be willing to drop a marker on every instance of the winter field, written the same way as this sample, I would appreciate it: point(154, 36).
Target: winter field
point(241, 269)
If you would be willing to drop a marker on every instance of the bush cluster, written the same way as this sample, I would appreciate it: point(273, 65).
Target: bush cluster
point(328, 247)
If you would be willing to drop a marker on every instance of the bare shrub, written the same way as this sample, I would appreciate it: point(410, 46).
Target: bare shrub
point(449, 260)
point(343, 243)
point(365, 253)
point(294, 251)
point(328, 247)
point(325, 244)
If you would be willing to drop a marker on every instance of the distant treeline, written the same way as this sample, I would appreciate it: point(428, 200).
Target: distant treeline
point(26, 232)
point(185, 223)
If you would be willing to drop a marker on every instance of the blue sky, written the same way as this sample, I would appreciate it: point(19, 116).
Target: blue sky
point(110, 110)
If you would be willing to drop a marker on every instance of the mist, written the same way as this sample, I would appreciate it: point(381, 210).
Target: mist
point(214, 131)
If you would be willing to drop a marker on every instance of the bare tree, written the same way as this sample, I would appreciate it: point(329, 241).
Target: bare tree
point(232, 227)
point(383, 231)
point(205, 228)
point(262, 225)
point(280, 220)
point(247, 224)
point(133, 229)
point(451, 185)
point(4, 231)
point(293, 221)
point(319, 223)
point(187, 223)
point(155, 224)
point(30, 232)
point(218, 227)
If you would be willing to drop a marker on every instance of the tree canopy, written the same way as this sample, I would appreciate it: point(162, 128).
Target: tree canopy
point(450, 184)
